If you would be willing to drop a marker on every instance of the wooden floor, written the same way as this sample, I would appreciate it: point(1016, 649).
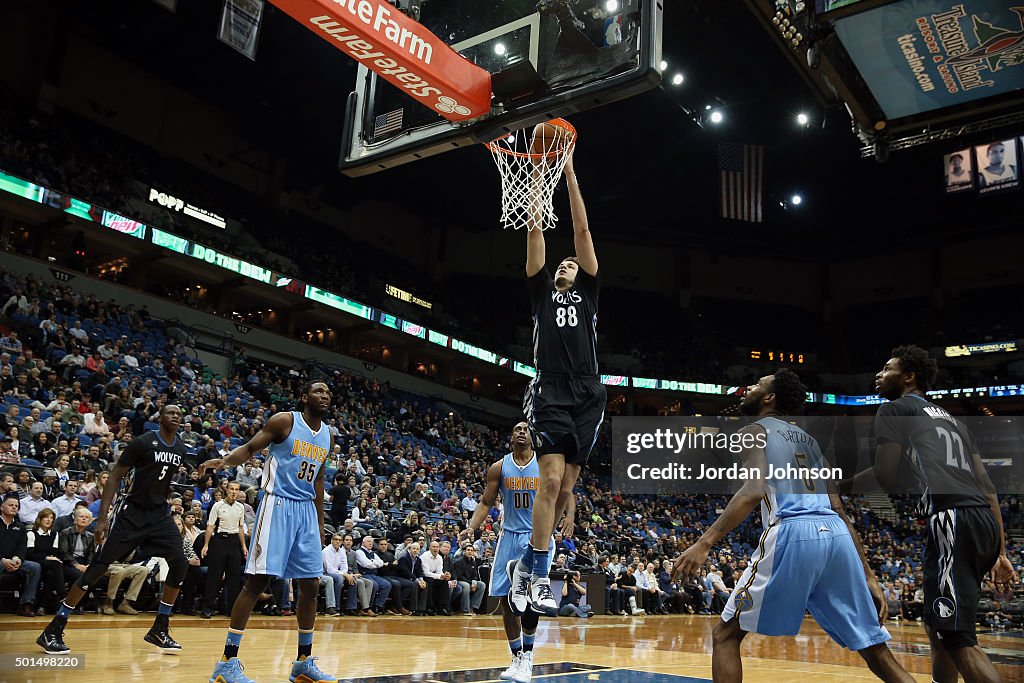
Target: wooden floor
point(659, 649)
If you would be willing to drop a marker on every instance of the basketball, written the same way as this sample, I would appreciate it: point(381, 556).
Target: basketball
point(549, 138)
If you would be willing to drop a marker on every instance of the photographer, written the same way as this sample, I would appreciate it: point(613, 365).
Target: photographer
point(572, 592)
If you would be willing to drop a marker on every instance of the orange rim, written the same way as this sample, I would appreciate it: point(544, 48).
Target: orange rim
point(559, 123)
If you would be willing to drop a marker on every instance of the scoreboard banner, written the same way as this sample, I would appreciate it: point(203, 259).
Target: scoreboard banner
point(922, 55)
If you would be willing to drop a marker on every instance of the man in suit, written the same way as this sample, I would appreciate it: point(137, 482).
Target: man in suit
point(410, 568)
point(467, 574)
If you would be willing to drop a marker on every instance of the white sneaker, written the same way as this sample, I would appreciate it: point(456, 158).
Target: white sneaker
point(525, 671)
point(519, 593)
point(509, 674)
point(541, 598)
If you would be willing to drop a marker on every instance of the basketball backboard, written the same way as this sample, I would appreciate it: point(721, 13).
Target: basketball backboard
point(547, 59)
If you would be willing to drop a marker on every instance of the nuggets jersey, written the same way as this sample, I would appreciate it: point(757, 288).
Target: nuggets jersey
point(518, 488)
point(789, 445)
point(295, 462)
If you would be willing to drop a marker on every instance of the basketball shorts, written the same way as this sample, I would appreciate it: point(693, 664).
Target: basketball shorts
point(962, 546)
point(285, 539)
point(808, 562)
point(511, 546)
point(149, 529)
point(565, 414)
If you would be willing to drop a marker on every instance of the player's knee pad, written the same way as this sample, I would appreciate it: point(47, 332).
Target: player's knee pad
point(177, 567)
point(93, 573)
point(956, 640)
point(530, 620)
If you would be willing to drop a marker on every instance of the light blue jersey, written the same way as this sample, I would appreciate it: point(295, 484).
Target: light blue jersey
point(518, 488)
point(295, 462)
point(788, 445)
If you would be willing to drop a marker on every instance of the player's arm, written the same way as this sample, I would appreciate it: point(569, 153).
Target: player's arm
point(580, 226)
point(1002, 571)
point(487, 500)
point(887, 462)
point(211, 524)
point(275, 431)
point(738, 509)
point(876, 591)
point(535, 249)
point(241, 538)
point(318, 489)
point(113, 484)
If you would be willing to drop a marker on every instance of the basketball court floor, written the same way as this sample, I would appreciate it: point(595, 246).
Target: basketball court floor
point(606, 649)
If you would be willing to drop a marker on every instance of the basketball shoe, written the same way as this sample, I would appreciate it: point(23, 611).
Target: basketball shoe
point(519, 593)
point(542, 600)
point(229, 672)
point(52, 640)
point(525, 671)
point(161, 638)
point(509, 674)
point(306, 671)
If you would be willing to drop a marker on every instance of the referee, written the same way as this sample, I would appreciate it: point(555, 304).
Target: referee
point(223, 549)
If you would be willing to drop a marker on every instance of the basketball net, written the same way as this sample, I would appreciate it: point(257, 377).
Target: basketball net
point(530, 170)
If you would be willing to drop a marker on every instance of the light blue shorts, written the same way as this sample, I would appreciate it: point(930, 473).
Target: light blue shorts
point(286, 539)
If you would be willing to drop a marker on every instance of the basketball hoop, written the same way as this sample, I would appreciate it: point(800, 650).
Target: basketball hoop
point(531, 164)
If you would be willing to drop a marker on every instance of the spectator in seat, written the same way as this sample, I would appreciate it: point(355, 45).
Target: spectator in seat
point(336, 566)
point(410, 568)
point(41, 547)
point(370, 565)
point(96, 492)
point(65, 505)
point(467, 575)
point(401, 589)
point(18, 571)
point(8, 456)
point(364, 586)
point(96, 425)
point(437, 580)
point(33, 504)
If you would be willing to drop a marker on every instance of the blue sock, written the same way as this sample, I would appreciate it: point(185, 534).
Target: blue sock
point(234, 641)
point(64, 610)
point(528, 641)
point(164, 609)
point(541, 563)
point(526, 561)
point(516, 646)
point(305, 644)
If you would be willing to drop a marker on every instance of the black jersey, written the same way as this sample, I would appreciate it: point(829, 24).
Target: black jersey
point(154, 463)
point(940, 448)
point(564, 324)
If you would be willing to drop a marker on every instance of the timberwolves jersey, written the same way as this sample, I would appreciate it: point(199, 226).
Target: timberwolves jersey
point(788, 445)
point(518, 487)
point(295, 462)
point(564, 325)
point(940, 448)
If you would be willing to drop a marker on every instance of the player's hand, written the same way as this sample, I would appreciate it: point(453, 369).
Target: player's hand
point(202, 553)
point(216, 464)
point(881, 606)
point(102, 526)
point(245, 553)
point(1003, 571)
point(567, 526)
point(466, 534)
point(690, 562)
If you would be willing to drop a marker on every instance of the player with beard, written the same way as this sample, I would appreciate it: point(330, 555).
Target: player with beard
point(809, 556)
point(564, 404)
point(286, 537)
point(965, 527)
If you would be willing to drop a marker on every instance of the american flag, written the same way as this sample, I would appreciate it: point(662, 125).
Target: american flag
point(385, 123)
point(741, 176)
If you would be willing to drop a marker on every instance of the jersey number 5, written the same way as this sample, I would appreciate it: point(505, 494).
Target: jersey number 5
point(307, 471)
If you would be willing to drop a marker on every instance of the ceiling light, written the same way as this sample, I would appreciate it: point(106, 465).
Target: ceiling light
point(716, 117)
point(677, 79)
point(802, 119)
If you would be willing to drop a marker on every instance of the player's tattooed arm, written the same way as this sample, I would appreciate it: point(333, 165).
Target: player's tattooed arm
point(739, 508)
point(1002, 571)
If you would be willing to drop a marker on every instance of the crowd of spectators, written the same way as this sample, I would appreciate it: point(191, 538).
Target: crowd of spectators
point(88, 161)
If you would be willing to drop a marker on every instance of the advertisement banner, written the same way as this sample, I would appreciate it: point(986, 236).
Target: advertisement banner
point(399, 50)
point(922, 55)
point(240, 25)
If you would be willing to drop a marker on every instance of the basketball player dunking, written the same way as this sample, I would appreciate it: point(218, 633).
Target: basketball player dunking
point(516, 477)
point(564, 404)
point(965, 527)
point(141, 518)
point(809, 557)
point(288, 528)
